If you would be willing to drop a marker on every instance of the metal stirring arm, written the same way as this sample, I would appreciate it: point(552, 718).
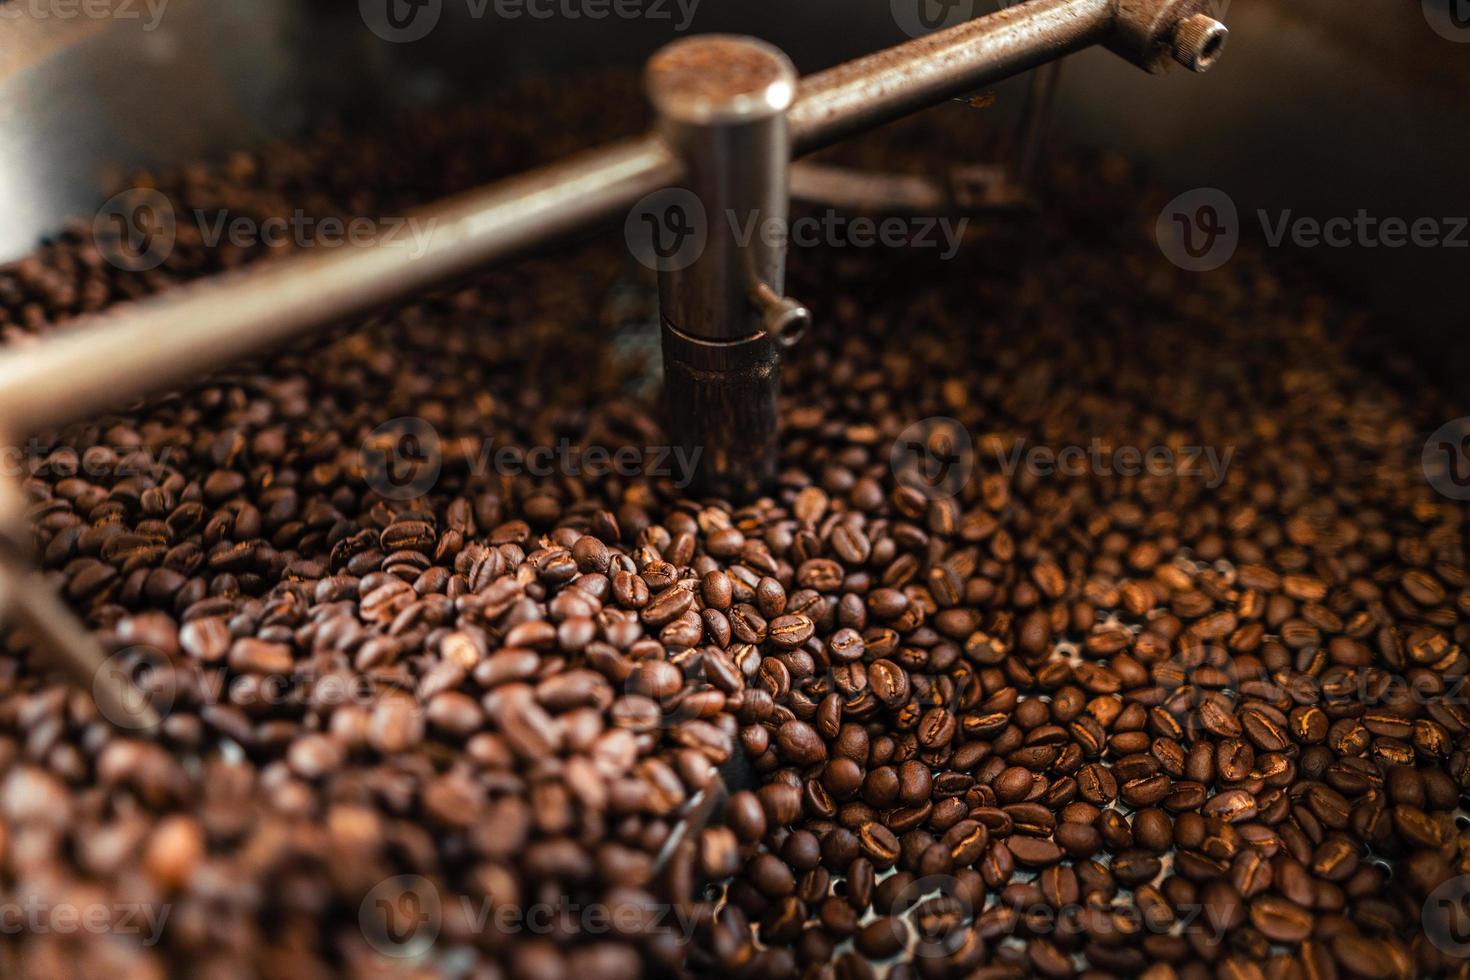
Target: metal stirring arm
point(98, 362)
point(105, 360)
point(27, 601)
point(964, 189)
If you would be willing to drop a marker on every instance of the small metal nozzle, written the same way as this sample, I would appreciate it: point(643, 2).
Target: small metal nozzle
point(1198, 41)
point(785, 320)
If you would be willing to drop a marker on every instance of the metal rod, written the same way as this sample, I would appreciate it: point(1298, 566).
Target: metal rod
point(721, 104)
point(867, 190)
point(884, 86)
point(1034, 119)
point(722, 323)
point(174, 338)
point(103, 360)
point(28, 600)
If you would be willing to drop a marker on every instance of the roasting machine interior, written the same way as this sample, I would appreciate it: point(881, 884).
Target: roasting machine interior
point(1330, 110)
point(732, 111)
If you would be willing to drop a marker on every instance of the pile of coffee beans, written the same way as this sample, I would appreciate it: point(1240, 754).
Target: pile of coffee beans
point(935, 707)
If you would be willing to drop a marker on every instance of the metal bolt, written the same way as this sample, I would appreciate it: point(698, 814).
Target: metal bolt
point(1198, 41)
point(785, 319)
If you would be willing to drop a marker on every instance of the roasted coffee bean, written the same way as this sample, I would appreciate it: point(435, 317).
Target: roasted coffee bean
point(878, 843)
point(771, 876)
point(745, 816)
point(1012, 784)
point(800, 743)
point(1232, 805)
point(1033, 852)
point(790, 631)
point(1280, 920)
point(915, 782)
point(881, 938)
point(1152, 830)
point(249, 655)
point(889, 682)
point(966, 841)
point(1250, 681)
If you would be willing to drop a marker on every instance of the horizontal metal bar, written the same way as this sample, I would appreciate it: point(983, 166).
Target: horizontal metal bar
point(28, 601)
point(105, 360)
point(867, 190)
point(892, 83)
point(109, 359)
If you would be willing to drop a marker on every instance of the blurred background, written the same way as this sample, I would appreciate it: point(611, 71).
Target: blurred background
point(1319, 109)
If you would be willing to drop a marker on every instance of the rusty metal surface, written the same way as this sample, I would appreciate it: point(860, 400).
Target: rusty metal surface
point(875, 89)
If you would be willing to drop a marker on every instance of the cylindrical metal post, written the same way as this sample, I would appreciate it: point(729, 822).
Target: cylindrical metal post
point(722, 103)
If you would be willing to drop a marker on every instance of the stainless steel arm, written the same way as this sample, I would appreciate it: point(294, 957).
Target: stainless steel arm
point(106, 360)
point(892, 83)
point(112, 358)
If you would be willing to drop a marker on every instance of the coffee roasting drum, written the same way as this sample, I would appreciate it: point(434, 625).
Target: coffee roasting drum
point(664, 489)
